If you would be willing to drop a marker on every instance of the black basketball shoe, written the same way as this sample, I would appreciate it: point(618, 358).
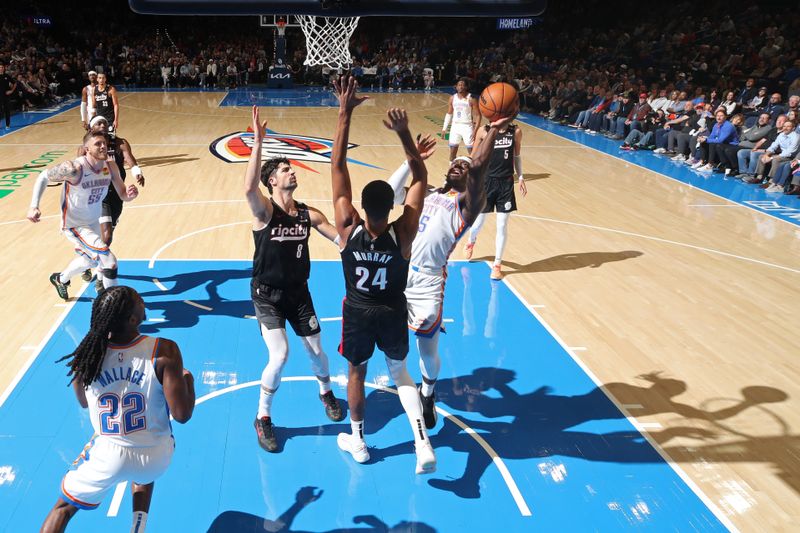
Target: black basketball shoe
point(61, 288)
point(332, 407)
point(266, 433)
point(87, 275)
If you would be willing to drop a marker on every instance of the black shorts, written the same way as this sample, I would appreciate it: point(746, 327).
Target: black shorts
point(365, 327)
point(275, 306)
point(500, 195)
point(112, 210)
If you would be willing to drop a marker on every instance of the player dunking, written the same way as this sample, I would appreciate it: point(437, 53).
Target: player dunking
point(131, 384)
point(375, 262)
point(462, 109)
point(86, 182)
point(447, 212)
point(119, 151)
point(87, 100)
point(505, 162)
point(281, 267)
point(106, 103)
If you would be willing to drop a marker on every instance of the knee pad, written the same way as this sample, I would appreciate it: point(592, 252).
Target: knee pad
point(110, 273)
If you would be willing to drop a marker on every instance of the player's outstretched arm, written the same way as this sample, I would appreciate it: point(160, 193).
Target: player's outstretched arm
point(320, 223)
point(259, 205)
point(126, 194)
point(523, 189)
point(448, 117)
point(408, 223)
point(345, 215)
point(67, 171)
point(426, 146)
point(113, 93)
point(127, 155)
point(177, 382)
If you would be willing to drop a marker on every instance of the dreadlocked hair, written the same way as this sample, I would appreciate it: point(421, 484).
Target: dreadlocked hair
point(110, 311)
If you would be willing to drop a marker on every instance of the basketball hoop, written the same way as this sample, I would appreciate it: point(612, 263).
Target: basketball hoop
point(328, 39)
point(281, 25)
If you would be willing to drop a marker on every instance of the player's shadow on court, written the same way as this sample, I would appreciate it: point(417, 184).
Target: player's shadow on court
point(165, 160)
point(567, 261)
point(535, 177)
point(186, 309)
point(241, 522)
point(542, 422)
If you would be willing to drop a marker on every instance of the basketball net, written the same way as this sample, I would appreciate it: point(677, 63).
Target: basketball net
point(328, 39)
point(281, 27)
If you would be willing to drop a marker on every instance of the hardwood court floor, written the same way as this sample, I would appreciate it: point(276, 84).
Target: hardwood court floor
point(685, 313)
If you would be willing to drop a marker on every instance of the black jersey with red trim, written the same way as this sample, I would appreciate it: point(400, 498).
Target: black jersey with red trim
point(375, 270)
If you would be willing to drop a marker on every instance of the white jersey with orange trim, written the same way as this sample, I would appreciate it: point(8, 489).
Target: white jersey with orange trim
point(126, 402)
point(440, 226)
point(90, 102)
point(82, 203)
point(462, 110)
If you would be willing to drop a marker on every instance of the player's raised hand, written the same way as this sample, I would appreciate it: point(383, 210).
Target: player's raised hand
point(345, 88)
point(397, 119)
point(34, 214)
point(505, 121)
point(259, 128)
point(132, 191)
point(426, 146)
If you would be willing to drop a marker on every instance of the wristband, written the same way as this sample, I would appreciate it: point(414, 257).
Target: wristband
point(136, 171)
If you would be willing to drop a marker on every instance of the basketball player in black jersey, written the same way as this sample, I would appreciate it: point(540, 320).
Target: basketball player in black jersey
point(279, 288)
point(375, 256)
point(504, 163)
point(105, 102)
point(119, 150)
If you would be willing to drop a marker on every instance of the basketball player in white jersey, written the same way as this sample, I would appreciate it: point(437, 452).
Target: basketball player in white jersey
point(446, 214)
point(86, 180)
point(87, 100)
point(505, 162)
point(131, 384)
point(462, 109)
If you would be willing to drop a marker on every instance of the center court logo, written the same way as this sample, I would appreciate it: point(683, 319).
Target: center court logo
point(299, 149)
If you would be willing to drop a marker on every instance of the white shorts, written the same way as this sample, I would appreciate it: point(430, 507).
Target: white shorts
point(461, 132)
point(103, 464)
point(86, 241)
point(424, 294)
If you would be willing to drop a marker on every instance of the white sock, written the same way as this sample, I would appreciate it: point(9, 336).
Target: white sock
point(357, 428)
point(319, 361)
point(139, 522)
point(429, 362)
point(407, 391)
point(77, 265)
point(476, 227)
point(500, 239)
point(278, 348)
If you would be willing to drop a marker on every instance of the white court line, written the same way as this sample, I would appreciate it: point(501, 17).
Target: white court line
point(41, 345)
point(655, 172)
point(157, 320)
point(659, 239)
point(647, 425)
point(632, 406)
point(330, 319)
point(715, 205)
point(197, 305)
point(116, 501)
point(496, 459)
point(675, 467)
point(159, 284)
point(173, 241)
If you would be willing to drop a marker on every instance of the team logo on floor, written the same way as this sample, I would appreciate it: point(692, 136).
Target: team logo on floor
point(299, 149)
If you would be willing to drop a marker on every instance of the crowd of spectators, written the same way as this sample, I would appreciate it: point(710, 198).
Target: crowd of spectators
point(717, 91)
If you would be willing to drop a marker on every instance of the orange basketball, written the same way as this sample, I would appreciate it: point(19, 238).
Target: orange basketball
point(498, 100)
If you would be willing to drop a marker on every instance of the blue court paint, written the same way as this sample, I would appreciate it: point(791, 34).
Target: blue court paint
point(786, 208)
point(26, 118)
point(578, 463)
point(298, 97)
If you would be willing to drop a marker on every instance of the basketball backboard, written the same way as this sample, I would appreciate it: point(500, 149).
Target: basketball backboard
point(271, 21)
point(344, 8)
